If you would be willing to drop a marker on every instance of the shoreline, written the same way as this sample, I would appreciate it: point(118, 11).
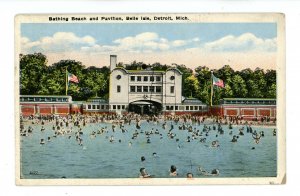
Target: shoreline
point(272, 126)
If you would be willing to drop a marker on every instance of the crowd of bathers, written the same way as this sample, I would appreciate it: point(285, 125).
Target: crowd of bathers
point(73, 127)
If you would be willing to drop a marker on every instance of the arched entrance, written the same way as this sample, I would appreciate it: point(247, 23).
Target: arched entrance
point(145, 107)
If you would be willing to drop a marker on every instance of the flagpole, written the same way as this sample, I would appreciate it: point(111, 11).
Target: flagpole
point(66, 80)
point(211, 89)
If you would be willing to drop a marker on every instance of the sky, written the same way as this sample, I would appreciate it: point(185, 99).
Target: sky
point(241, 45)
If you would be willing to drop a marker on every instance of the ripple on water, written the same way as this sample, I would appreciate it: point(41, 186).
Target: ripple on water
point(99, 158)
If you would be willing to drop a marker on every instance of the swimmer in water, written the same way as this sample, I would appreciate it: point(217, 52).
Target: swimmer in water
point(111, 139)
point(214, 172)
point(144, 174)
point(188, 139)
point(143, 159)
point(215, 143)
point(42, 142)
point(154, 154)
point(189, 175)
point(49, 139)
point(173, 170)
point(234, 139)
point(256, 137)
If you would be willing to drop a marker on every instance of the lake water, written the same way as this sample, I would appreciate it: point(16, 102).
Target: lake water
point(99, 158)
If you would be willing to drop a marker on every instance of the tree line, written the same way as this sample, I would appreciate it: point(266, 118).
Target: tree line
point(37, 78)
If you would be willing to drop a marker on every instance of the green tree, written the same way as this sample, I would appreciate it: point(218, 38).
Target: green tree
point(239, 86)
point(135, 66)
point(253, 89)
point(192, 86)
point(225, 73)
point(271, 91)
point(32, 68)
point(270, 78)
point(260, 83)
point(95, 81)
point(159, 67)
point(55, 82)
point(186, 72)
point(227, 91)
point(203, 75)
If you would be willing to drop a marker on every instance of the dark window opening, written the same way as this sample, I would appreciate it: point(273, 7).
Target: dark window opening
point(158, 89)
point(132, 89)
point(139, 89)
point(172, 89)
point(145, 89)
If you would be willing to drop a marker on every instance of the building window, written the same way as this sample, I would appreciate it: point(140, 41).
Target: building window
point(172, 89)
point(94, 107)
point(132, 89)
point(139, 78)
point(114, 107)
point(145, 78)
point(196, 107)
point(89, 107)
point(167, 107)
point(191, 107)
point(123, 107)
point(187, 108)
point(145, 89)
point(107, 107)
point(119, 77)
point(171, 107)
point(151, 89)
point(151, 78)
point(158, 78)
point(102, 107)
point(119, 107)
point(132, 78)
point(118, 88)
point(172, 78)
point(98, 107)
point(176, 107)
point(158, 89)
point(139, 89)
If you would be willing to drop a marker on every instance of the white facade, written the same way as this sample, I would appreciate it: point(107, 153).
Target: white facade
point(144, 86)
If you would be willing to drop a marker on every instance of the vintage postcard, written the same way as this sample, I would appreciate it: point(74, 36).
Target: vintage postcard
point(150, 99)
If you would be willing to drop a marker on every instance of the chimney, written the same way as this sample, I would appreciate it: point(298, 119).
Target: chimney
point(113, 62)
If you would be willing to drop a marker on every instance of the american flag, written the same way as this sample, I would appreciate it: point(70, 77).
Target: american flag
point(72, 78)
point(218, 82)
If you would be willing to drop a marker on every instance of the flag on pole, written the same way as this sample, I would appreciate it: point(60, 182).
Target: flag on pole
point(72, 78)
point(218, 82)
